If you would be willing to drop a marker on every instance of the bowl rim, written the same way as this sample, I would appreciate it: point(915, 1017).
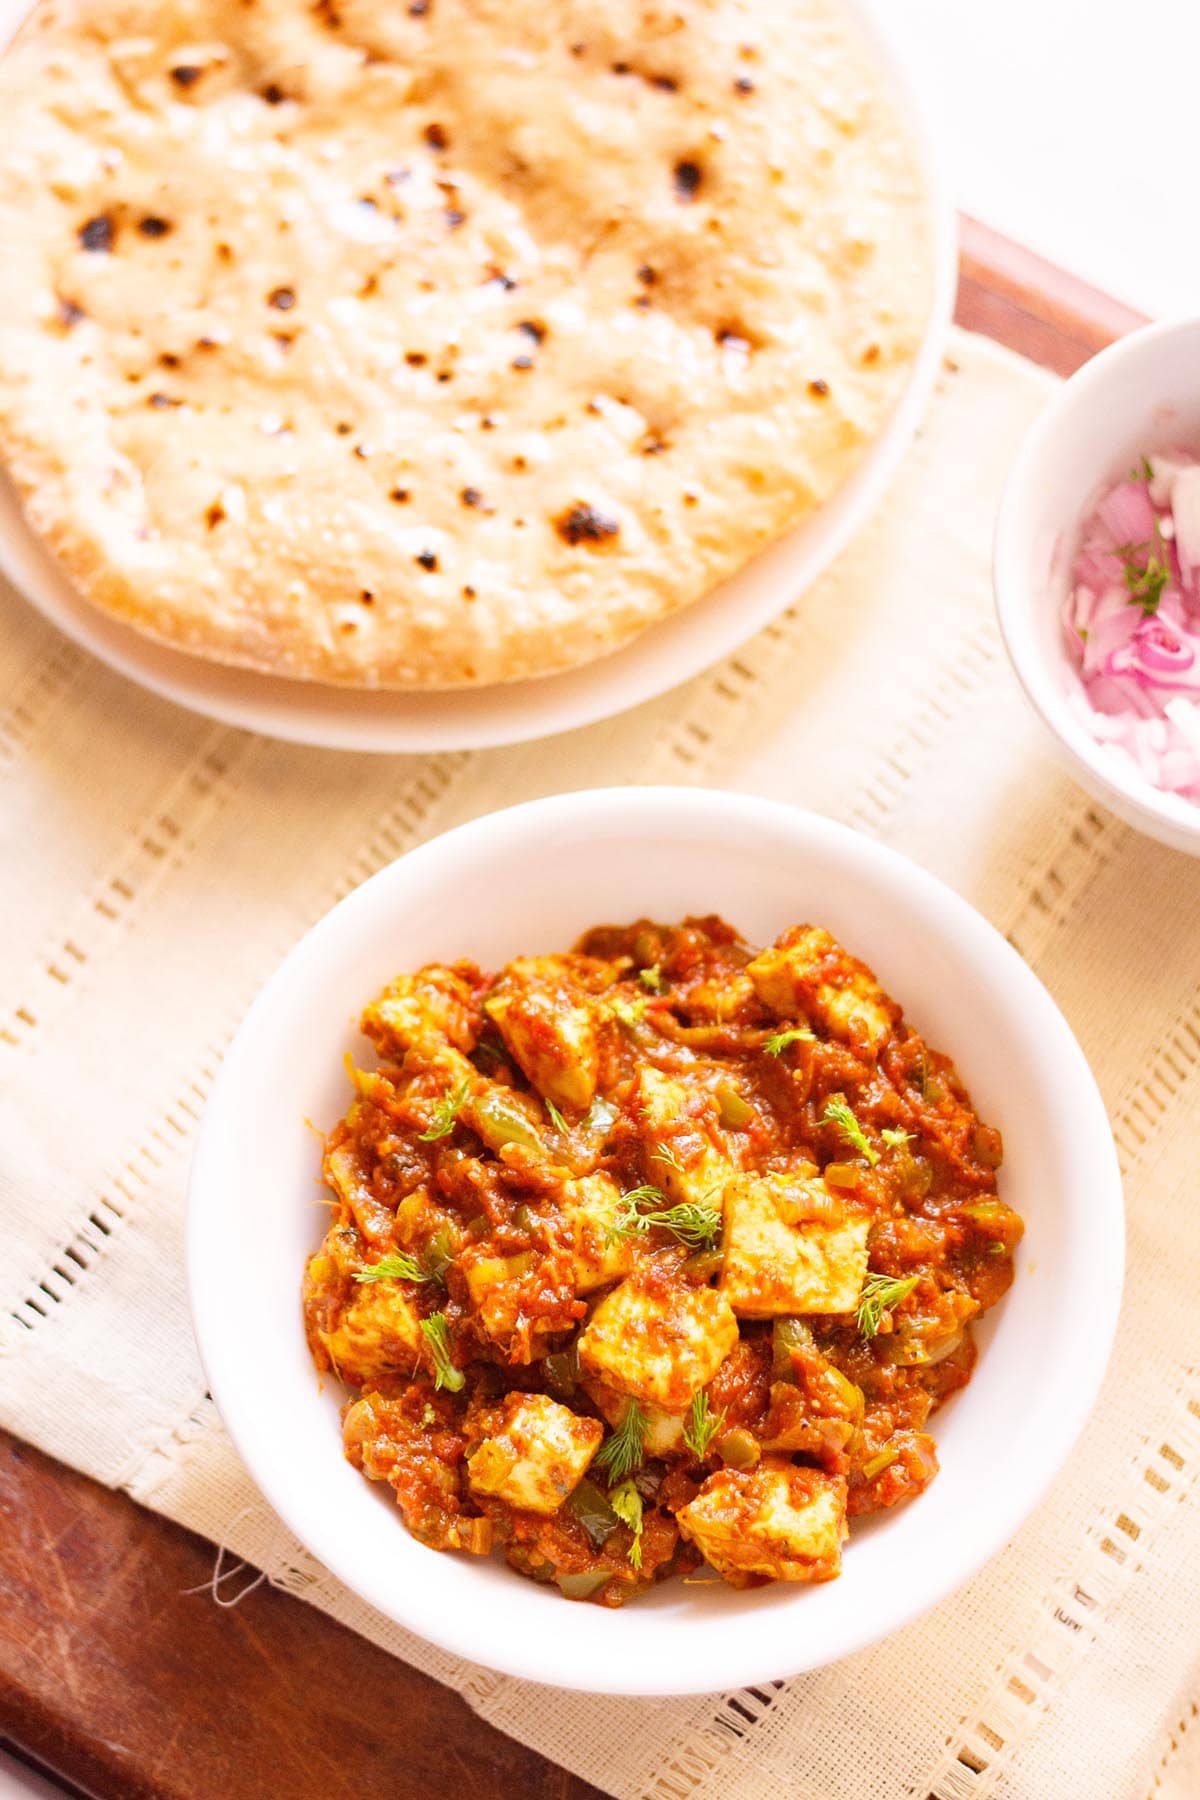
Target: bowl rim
point(618, 808)
point(661, 658)
point(1166, 817)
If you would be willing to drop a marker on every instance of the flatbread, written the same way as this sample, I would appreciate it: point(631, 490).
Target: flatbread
point(441, 342)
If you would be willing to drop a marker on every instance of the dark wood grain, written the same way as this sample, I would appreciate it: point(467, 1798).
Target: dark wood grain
point(1026, 303)
point(113, 1674)
point(129, 1687)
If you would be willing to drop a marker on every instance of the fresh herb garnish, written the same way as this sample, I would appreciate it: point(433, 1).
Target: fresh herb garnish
point(894, 1137)
point(1146, 567)
point(623, 1449)
point(626, 1502)
point(1146, 570)
point(556, 1118)
point(400, 1267)
point(838, 1113)
point(879, 1294)
point(445, 1113)
point(696, 1225)
point(664, 1153)
point(641, 1196)
point(776, 1045)
point(436, 1333)
point(651, 978)
point(629, 1012)
point(701, 1427)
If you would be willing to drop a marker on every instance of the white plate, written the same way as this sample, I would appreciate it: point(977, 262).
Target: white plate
point(610, 856)
point(669, 653)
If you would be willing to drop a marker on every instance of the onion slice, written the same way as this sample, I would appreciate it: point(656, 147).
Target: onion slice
point(1131, 622)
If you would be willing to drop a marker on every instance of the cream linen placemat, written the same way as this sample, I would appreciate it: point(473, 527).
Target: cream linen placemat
point(157, 868)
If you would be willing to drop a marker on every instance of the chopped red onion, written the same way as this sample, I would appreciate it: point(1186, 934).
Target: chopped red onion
point(1132, 623)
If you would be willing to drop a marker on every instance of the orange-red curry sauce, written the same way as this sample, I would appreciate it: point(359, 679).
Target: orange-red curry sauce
point(660, 1251)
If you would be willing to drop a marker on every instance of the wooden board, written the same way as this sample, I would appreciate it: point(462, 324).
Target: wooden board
point(127, 1685)
point(117, 1671)
point(1026, 303)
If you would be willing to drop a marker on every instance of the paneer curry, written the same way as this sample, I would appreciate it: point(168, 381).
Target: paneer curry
point(655, 1253)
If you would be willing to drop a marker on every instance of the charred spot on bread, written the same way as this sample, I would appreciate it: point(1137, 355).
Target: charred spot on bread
point(585, 524)
point(688, 177)
point(99, 234)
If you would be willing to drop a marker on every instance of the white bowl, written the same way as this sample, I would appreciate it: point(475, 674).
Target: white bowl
point(669, 653)
point(1140, 395)
point(534, 878)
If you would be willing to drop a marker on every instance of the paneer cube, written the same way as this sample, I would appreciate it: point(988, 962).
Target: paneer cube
point(518, 1301)
point(664, 1431)
point(550, 1030)
point(434, 1005)
point(807, 975)
point(789, 1249)
point(681, 1156)
point(535, 1453)
point(377, 1333)
point(658, 1339)
point(773, 1523)
point(590, 1207)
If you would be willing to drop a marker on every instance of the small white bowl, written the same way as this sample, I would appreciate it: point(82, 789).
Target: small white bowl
point(1140, 395)
point(534, 878)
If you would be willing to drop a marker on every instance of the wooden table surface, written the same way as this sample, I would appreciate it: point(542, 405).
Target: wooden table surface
point(128, 1685)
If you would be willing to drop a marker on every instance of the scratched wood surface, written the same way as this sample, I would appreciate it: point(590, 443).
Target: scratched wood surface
point(127, 1686)
point(115, 1675)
